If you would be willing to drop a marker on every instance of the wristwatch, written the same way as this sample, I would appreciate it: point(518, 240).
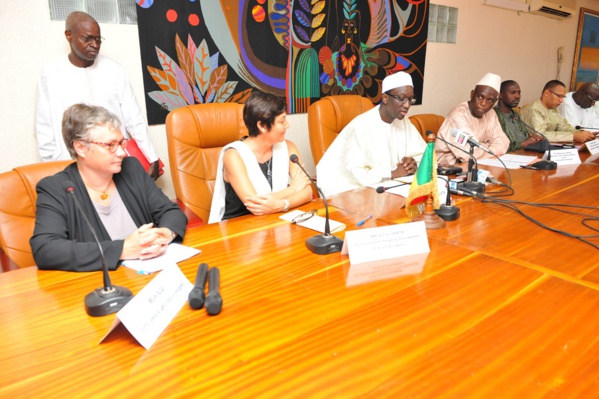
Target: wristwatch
point(286, 207)
point(173, 235)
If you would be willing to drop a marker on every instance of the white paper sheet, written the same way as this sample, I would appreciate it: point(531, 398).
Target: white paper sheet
point(175, 253)
point(512, 161)
point(314, 223)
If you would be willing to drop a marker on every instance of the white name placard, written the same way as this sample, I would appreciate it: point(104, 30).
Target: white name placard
point(593, 146)
point(567, 156)
point(153, 308)
point(387, 242)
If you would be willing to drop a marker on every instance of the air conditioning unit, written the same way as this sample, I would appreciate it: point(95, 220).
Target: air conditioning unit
point(556, 9)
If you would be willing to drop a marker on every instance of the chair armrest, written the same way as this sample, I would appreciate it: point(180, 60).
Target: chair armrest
point(6, 263)
point(192, 219)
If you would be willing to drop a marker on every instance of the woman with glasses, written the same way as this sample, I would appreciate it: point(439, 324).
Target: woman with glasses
point(130, 215)
point(255, 175)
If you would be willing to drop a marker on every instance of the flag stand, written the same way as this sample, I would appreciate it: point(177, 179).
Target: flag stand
point(429, 172)
point(431, 219)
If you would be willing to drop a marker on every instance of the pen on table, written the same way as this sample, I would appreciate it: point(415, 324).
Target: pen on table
point(361, 222)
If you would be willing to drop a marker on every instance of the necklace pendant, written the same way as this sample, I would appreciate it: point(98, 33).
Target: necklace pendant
point(268, 173)
point(103, 196)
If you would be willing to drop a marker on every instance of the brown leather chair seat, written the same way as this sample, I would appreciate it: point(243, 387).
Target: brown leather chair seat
point(328, 116)
point(424, 122)
point(195, 136)
point(17, 208)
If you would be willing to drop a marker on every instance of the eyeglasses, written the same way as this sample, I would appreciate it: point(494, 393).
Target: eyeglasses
point(112, 146)
point(304, 216)
point(593, 101)
point(402, 100)
point(89, 39)
point(560, 96)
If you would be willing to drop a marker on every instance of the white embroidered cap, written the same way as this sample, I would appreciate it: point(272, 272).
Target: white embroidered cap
point(396, 80)
point(491, 80)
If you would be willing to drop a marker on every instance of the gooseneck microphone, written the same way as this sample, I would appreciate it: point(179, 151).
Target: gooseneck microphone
point(463, 193)
point(382, 189)
point(326, 243)
point(447, 211)
point(455, 132)
point(578, 127)
point(214, 302)
point(196, 296)
point(108, 299)
point(472, 184)
point(545, 146)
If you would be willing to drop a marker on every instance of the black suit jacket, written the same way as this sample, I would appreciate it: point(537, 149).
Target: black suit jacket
point(61, 238)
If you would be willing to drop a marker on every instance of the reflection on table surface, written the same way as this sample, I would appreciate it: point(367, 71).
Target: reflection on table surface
point(499, 308)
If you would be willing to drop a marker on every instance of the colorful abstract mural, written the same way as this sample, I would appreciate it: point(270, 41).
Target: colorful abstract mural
point(200, 51)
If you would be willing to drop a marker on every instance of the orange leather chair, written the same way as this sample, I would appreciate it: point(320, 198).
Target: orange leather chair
point(195, 136)
point(328, 116)
point(17, 208)
point(424, 122)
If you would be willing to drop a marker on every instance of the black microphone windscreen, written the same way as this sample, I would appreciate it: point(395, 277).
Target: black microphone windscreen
point(380, 189)
point(196, 296)
point(67, 185)
point(428, 132)
point(578, 127)
point(293, 158)
point(214, 301)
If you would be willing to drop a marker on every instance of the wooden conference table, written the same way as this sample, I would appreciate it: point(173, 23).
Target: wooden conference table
point(501, 309)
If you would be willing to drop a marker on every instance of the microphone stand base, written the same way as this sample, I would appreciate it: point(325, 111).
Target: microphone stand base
point(323, 244)
point(101, 302)
point(431, 220)
point(473, 186)
point(448, 212)
point(544, 165)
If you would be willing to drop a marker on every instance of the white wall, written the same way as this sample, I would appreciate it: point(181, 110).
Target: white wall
point(520, 47)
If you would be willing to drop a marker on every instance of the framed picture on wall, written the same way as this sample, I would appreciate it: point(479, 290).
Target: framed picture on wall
point(586, 56)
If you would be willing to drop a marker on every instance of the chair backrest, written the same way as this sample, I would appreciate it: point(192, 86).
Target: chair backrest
point(17, 208)
point(195, 136)
point(424, 122)
point(328, 116)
